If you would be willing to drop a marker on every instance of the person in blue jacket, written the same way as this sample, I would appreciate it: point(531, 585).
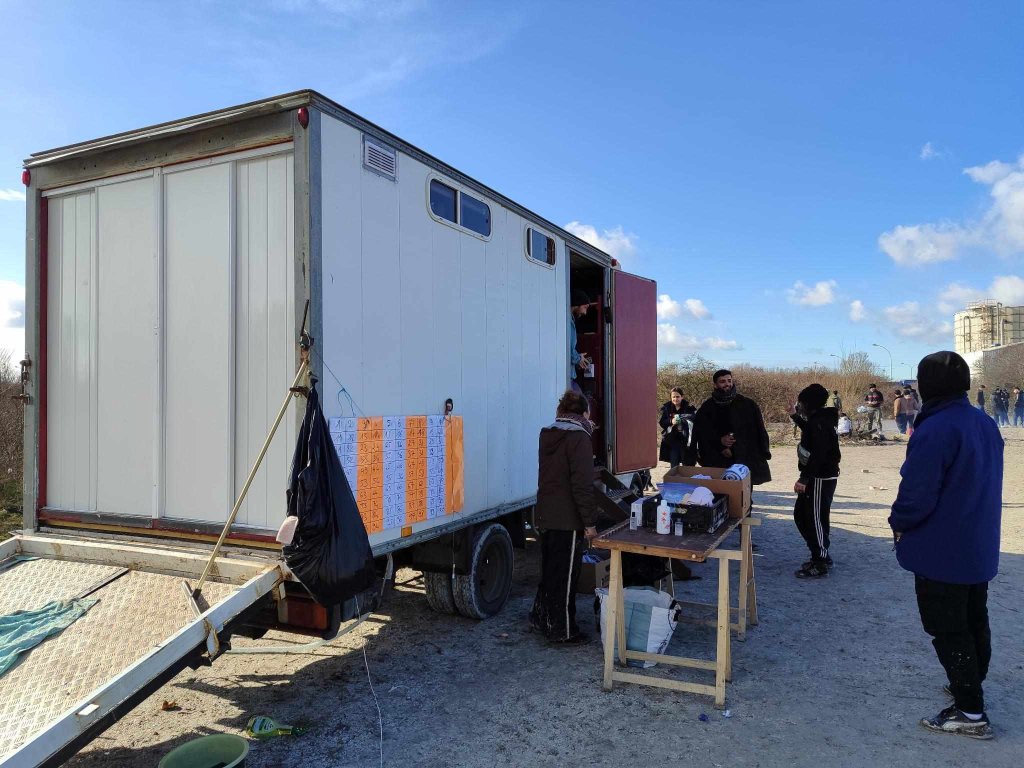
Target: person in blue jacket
point(945, 524)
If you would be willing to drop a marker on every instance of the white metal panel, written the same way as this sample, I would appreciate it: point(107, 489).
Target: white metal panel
point(496, 349)
point(127, 370)
point(473, 403)
point(342, 265)
point(381, 285)
point(419, 395)
point(71, 380)
point(197, 343)
point(264, 333)
point(522, 476)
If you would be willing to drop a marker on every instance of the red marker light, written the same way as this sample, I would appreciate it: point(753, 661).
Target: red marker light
point(26, 177)
point(303, 117)
point(615, 262)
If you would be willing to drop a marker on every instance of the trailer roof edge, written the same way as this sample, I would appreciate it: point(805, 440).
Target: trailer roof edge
point(286, 102)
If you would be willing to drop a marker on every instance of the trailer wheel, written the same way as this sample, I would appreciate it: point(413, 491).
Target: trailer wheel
point(482, 592)
point(439, 592)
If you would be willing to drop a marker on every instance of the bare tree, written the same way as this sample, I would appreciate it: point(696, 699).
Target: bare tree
point(12, 417)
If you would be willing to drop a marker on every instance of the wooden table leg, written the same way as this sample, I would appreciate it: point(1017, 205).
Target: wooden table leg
point(741, 614)
point(612, 620)
point(722, 652)
point(751, 586)
point(620, 612)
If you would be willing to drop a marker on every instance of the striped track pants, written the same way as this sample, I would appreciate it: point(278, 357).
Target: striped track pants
point(812, 512)
point(554, 609)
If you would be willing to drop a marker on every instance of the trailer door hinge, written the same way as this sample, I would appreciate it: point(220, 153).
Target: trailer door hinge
point(23, 395)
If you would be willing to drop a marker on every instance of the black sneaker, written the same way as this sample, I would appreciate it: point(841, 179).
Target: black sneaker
point(952, 720)
point(814, 569)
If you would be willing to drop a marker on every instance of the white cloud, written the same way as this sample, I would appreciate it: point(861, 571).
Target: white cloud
point(1009, 289)
point(924, 243)
point(615, 242)
point(670, 339)
point(999, 229)
point(12, 318)
point(12, 196)
point(696, 308)
point(818, 295)
point(858, 313)
point(668, 307)
point(910, 321)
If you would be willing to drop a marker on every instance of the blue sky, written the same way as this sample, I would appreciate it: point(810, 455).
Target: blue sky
point(802, 179)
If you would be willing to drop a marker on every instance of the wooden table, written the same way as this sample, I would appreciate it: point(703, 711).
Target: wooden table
point(693, 548)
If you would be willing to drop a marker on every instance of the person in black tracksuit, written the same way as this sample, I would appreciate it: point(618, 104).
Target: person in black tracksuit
point(818, 459)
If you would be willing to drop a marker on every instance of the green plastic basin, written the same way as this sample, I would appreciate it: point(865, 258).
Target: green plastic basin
point(221, 750)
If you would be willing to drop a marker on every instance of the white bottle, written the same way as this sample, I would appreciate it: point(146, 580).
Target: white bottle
point(664, 517)
point(636, 515)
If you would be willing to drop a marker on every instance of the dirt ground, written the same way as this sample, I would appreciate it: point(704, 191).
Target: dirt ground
point(838, 672)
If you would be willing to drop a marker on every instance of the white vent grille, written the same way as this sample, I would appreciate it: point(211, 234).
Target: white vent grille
point(380, 159)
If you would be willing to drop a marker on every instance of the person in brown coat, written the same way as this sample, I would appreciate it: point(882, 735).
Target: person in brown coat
point(565, 516)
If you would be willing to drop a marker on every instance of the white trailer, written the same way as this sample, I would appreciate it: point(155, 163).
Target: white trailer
point(168, 271)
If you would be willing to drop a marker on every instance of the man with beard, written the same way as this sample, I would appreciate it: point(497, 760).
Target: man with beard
point(729, 429)
point(945, 524)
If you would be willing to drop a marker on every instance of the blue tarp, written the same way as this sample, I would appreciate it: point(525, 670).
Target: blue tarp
point(24, 630)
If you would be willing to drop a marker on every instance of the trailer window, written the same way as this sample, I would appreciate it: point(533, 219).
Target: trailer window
point(442, 201)
point(540, 247)
point(475, 215)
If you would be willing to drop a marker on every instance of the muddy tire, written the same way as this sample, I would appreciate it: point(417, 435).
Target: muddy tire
point(483, 592)
point(439, 592)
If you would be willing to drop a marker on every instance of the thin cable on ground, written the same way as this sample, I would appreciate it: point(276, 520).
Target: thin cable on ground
point(380, 716)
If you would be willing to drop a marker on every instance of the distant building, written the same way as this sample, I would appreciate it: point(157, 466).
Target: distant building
point(987, 325)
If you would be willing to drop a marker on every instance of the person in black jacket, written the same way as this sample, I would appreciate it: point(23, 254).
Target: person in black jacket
point(565, 515)
point(676, 417)
point(729, 429)
point(818, 460)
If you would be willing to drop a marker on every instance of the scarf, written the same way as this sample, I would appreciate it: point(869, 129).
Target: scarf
point(723, 398)
point(578, 419)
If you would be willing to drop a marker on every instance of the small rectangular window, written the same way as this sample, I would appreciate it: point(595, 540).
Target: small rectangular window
point(540, 247)
point(442, 201)
point(475, 215)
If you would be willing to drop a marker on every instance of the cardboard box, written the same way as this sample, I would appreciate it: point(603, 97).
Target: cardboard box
point(738, 491)
point(594, 575)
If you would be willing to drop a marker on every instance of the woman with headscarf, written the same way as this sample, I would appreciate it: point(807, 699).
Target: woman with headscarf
point(676, 418)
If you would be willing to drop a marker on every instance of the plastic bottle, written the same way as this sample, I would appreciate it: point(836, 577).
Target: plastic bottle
point(664, 524)
point(263, 727)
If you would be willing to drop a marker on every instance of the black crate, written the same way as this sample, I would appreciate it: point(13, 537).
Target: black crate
point(701, 519)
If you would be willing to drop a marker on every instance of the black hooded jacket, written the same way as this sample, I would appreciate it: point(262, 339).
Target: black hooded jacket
point(743, 419)
point(565, 479)
point(818, 452)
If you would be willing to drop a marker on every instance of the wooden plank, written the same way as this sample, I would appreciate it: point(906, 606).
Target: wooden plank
point(661, 682)
point(645, 541)
point(614, 587)
point(722, 650)
point(678, 661)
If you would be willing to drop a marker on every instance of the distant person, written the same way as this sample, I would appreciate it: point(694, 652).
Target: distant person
point(979, 398)
point(903, 410)
point(579, 302)
point(565, 515)
point(998, 411)
point(729, 429)
point(837, 401)
point(945, 524)
point(873, 401)
point(1004, 405)
point(915, 395)
point(675, 422)
point(818, 463)
point(1018, 407)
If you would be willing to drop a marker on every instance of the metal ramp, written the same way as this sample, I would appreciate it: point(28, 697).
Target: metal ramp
point(142, 631)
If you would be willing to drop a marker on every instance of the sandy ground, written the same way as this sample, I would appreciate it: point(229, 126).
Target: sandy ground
point(838, 672)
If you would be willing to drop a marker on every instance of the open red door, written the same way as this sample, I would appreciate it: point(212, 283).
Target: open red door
point(634, 391)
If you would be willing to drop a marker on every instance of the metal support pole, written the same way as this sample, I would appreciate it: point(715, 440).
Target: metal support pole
point(252, 474)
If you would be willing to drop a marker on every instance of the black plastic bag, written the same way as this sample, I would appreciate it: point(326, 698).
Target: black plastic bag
point(330, 552)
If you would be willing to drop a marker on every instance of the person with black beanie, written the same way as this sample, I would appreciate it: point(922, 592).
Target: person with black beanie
point(945, 523)
point(818, 462)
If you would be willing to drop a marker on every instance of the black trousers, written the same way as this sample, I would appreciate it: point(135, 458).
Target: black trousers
point(811, 514)
point(554, 609)
point(956, 616)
